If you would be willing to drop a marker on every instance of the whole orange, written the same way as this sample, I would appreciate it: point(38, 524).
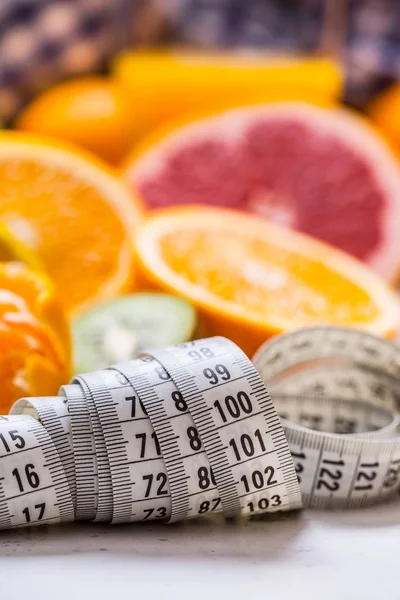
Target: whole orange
point(93, 112)
point(385, 111)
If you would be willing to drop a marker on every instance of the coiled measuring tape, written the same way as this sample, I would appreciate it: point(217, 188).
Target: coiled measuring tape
point(191, 430)
point(343, 427)
point(178, 433)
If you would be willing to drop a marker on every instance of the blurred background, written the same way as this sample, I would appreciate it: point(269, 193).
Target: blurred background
point(44, 41)
point(285, 110)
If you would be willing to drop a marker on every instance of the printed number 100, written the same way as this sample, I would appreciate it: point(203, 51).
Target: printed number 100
point(234, 406)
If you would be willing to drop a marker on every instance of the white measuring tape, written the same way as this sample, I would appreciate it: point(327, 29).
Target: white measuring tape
point(190, 430)
point(346, 447)
point(33, 484)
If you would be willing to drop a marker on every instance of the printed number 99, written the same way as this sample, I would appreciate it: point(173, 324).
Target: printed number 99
point(214, 375)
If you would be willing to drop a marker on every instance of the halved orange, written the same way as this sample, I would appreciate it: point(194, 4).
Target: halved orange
point(74, 211)
point(251, 278)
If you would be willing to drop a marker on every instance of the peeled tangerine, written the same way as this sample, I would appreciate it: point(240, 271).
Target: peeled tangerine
point(251, 278)
point(34, 336)
point(325, 172)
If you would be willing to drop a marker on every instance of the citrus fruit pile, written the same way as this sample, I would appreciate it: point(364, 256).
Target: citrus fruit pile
point(107, 115)
point(184, 196)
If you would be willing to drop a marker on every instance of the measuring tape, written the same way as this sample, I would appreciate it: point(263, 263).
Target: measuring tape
point(345, 443)
point(33, 484)
point(191, 430)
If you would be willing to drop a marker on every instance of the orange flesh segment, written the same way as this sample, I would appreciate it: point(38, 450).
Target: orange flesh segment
point(268, 282)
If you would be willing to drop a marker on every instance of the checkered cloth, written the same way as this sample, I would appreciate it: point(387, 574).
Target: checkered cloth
point(372, 54)
point(42, 41)
point(365, 32)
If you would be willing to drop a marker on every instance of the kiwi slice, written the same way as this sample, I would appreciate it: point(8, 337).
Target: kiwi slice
point(118, 330)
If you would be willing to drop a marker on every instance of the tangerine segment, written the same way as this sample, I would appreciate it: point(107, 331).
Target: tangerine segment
point(252, 278)
point(14, 384)
point(31, 297)
point(24, 374)
point(71, 209)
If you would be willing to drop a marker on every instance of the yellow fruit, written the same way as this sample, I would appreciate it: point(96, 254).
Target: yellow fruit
point(165, 85)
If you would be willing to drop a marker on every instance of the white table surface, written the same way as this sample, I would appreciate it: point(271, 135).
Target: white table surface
point(341, 555)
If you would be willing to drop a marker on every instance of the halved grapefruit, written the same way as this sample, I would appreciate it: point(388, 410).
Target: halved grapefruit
point(325, 172)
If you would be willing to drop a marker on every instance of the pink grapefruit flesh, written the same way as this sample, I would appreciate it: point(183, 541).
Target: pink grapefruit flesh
point(325, 172)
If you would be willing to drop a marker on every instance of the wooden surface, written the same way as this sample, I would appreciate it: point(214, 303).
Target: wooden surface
point(347, 555)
